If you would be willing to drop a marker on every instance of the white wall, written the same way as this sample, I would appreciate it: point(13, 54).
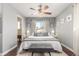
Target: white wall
point(9, 27)
point(65, 30)
point(0, 35)
point(0, 9)
point(0, 43)
point(0, 18)
point(0, 28)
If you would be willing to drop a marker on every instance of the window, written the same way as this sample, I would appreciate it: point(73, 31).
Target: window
point(39, 24)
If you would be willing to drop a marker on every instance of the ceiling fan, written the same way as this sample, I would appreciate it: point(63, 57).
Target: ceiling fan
point(42, 9)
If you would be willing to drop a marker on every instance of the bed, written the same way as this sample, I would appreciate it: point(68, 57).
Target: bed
point(41, 42)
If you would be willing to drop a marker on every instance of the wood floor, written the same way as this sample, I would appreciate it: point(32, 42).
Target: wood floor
point(14, 52)
point(68, 52)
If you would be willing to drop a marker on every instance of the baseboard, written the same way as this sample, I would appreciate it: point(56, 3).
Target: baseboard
point(4, 53)
point(67, 47)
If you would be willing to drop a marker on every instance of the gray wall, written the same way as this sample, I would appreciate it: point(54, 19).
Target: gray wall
point(9, 27)
point(0, 28)
point(65, 30)
point(30, 19)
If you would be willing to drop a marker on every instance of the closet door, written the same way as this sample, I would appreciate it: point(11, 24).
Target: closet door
point(76, 29)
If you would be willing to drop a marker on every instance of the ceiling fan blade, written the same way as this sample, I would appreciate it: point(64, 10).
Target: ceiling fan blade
point(48, 13)
point(32, 9)
point(40, 8)
point(46, 7)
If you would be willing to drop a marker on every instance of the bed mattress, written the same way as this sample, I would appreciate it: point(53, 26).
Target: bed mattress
point(53, 42)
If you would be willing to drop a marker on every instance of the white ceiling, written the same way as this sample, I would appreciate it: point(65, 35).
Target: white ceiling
point(24, 8)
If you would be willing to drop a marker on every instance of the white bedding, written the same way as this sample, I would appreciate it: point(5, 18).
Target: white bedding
point(35, 40)
point(41, 37)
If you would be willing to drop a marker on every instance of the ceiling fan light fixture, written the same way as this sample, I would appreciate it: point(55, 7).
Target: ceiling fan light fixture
point(48, 13)
point(46, 7)
point(32, 8)
point(42, 10)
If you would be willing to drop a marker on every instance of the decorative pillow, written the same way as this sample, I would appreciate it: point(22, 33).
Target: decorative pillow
point(41, 34)
point(35, 34)
point(45, 34)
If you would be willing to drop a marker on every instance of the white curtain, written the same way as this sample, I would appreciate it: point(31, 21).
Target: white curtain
point(46, 25)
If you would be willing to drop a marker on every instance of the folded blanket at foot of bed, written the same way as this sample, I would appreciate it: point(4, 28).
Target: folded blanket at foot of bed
point(42, 44)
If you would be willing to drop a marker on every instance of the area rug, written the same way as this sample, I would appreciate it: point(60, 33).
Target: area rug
point(26, 53)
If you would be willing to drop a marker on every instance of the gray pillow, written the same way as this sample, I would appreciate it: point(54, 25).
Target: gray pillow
point(45, 34)
point(41, 34)
point(35, 34)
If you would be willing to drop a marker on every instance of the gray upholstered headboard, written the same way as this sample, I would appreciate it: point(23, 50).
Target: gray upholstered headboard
point(41, 34)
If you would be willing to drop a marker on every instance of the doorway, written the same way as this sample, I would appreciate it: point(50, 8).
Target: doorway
point(19, 30)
